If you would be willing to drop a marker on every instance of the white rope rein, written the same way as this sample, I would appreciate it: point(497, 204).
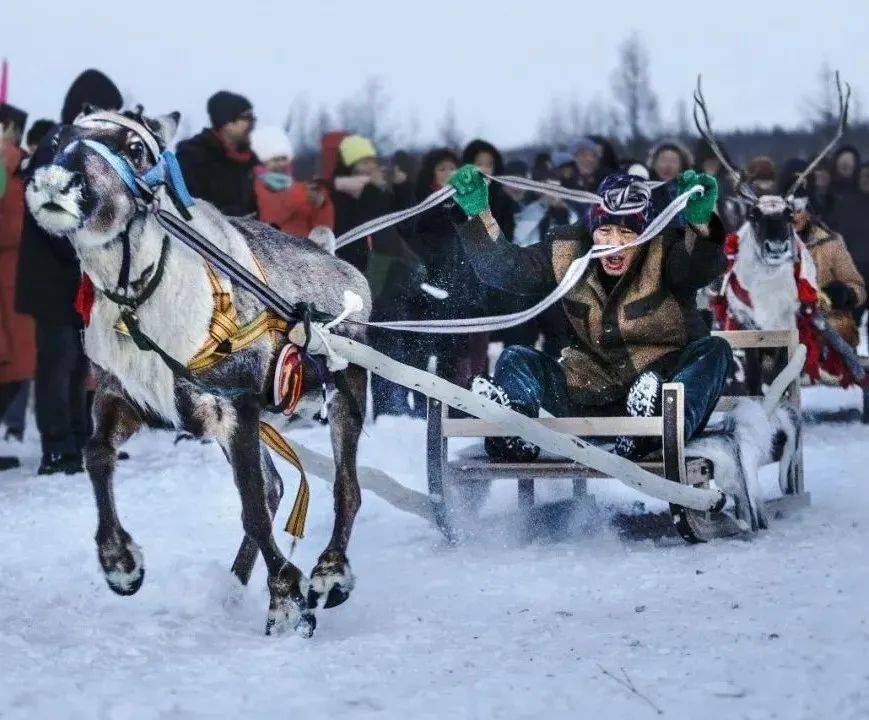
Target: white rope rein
point(573, 275)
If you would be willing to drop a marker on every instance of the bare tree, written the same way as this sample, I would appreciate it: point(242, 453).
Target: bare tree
point(306, 126)
point(602, 118)
point(680, 125)
point(822, 109)
point(633, 92)
point(369, 113)
point(448, 133)
point(562, 122)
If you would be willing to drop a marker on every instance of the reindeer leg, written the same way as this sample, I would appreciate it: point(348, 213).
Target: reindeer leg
point(331, 578)
point(245, 558)
point(288, 609)
point(121, 558)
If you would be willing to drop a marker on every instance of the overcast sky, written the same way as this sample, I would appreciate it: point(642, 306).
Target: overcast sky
point(500, 62)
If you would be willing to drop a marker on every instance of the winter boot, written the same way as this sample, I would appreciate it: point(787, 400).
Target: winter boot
point(510, 449)
point(69, 463)
point(644, 400)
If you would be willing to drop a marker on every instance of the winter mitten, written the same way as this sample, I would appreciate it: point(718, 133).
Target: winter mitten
point(472, 194)
point(700, 207)
point(841, 296)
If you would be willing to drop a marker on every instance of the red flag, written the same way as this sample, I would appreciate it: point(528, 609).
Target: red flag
point(4, 81)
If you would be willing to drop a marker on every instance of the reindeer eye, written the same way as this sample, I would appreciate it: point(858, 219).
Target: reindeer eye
point(136, 150)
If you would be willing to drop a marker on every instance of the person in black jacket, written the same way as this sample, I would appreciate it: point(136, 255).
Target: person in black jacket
point(218, 163)
point(361, 192)
point(48, 279)
point(453, 288)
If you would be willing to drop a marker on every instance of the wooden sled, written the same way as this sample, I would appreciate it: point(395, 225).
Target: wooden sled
point(451, 478)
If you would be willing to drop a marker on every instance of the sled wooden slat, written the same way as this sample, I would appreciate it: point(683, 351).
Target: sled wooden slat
point(741, 339)
point(472, 466)
point(584, 427)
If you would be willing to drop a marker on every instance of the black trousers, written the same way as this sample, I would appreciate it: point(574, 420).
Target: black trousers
point(61, 370)
point(8, 394)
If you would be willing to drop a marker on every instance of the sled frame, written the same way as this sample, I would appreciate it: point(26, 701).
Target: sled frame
point(449, 478)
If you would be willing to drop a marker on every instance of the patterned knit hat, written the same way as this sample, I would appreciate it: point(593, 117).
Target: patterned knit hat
point(626, 202)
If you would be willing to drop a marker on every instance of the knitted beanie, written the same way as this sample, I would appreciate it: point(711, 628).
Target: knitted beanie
point(354, 148)
point(224, 107)
point(621, 191)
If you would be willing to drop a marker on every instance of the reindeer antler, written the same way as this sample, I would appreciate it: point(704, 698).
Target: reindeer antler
point(705, 130)
point(844, 100)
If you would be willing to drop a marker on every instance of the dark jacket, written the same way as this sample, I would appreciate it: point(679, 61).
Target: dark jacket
point(850, 218)
point(48, 270)
point(643, 323)
point(212, 175)
point(503, 207)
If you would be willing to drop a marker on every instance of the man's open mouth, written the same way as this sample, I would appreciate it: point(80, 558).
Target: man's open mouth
point(615, 263)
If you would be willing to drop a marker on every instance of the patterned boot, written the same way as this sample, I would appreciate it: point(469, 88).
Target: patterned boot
point(509, 449)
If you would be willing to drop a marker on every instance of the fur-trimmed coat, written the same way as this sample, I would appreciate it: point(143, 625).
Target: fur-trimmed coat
point(643, 323)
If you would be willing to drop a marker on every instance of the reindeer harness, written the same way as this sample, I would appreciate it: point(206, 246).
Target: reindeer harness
point(225, 335)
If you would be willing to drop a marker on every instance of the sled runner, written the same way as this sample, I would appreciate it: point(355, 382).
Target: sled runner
point(451, 478)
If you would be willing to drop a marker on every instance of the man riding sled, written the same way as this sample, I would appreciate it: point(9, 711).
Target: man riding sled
point(634, 314)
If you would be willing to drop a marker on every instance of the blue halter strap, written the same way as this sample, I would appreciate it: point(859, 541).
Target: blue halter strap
point(166, 171)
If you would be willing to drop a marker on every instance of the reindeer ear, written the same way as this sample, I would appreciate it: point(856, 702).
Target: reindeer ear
point(167, 126)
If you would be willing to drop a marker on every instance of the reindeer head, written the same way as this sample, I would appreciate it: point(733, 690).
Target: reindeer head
point(775, 240)
point(79, 193)
point(769, 216)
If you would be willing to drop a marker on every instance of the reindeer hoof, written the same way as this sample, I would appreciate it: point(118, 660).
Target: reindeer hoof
point(288, 610)
point(331, 579)
point(123, 565)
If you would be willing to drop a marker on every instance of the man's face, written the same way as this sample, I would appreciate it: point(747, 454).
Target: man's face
point(238, 131)
point(366, 166)
point(616, 265)
point(587, 160)
point(668, 164)
point(484, 162)
point(443, 171)
point(800, 220)
point(846, 163)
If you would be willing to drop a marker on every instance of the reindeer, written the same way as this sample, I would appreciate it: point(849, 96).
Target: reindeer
point(80, 194)
point(771, 283)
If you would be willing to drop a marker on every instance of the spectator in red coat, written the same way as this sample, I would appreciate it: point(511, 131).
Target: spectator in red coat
point(295, 208)
point(17, 334)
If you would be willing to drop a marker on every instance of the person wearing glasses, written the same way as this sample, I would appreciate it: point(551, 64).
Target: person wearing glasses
point(218, 163)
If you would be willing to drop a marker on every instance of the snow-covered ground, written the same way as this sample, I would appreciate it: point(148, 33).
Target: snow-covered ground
point(776, 627)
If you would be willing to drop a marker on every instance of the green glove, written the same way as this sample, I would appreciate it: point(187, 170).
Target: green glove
point(472, 194)
point(700, 207)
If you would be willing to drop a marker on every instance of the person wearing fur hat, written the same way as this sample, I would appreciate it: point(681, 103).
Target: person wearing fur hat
point(218, 162)
point(634, 315)
point(295, 208)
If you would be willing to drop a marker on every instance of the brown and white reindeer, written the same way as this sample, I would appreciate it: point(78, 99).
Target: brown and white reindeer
point(771, 282)
point(79, 193)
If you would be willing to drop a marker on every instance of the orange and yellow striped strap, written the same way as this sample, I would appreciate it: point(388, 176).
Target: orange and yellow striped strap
point(296, 522)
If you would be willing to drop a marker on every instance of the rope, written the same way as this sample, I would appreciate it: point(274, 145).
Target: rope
point(572, 276)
